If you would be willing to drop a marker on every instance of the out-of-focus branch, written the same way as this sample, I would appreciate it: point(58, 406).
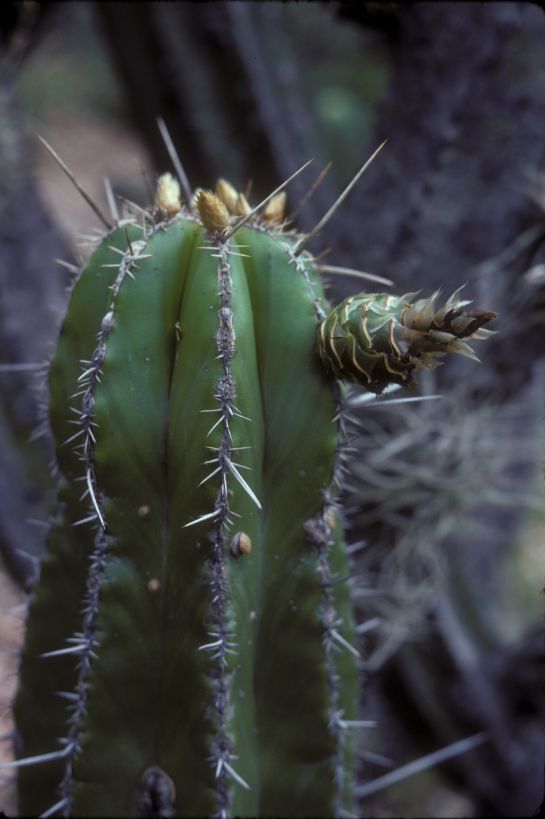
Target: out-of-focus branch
point(32, 288)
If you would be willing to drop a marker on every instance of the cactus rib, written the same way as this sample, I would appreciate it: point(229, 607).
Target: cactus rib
point(223, 643)
point(87, 639)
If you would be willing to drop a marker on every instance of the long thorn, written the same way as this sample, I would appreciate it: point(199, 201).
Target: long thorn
point(132, 205)
point(209, 516)
point(232, 468)
point(300, 246)
point(71, 267)
point(62, 803)
point(400, 401)
point(147, 183)
point(75, 182)
point(340, 639)
point(129, 243)
point(218, 422)
point(422, 764)
point(93, 498)
point(376, 759)
point(112, 204)
point(367, 397)
point(61, 651)
point(357, 723)
point(175, 159)
point(358, 274)
point(211, 475)
point(36, 760)
point(368, 625)
point(237, 777)
point(71, 696)
point(85, 520)
point(249, 215)
point(313, 187)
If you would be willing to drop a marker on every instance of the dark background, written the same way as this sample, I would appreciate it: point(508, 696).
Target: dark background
point(447, 495)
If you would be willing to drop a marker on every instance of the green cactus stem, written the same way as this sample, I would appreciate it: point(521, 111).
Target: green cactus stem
point(190, 645)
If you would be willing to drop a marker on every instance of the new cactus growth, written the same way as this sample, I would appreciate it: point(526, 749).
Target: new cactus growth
point(190, 646)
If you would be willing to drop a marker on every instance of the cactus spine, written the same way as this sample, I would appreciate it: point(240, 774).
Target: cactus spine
point(190, 646)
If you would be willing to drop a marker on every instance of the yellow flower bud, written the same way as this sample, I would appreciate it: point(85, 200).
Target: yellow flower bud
point(213, 212)
point(275, 209)
point(167, 196)
point(227, 194)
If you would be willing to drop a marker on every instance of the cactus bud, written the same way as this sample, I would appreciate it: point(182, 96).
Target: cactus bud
point(167, 196)
point(376, 340)
point(227, 194)
point(242, 207)
point(274, 211)
point(212, 211)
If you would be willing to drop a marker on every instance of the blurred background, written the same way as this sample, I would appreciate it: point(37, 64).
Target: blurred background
point(445, 498)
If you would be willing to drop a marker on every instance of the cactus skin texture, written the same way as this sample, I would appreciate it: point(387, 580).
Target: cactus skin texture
point(190, 644)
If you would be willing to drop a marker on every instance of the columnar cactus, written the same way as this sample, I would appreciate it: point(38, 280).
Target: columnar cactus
point(190, 646)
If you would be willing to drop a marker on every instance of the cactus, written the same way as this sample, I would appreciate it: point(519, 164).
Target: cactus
point(190, 645)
